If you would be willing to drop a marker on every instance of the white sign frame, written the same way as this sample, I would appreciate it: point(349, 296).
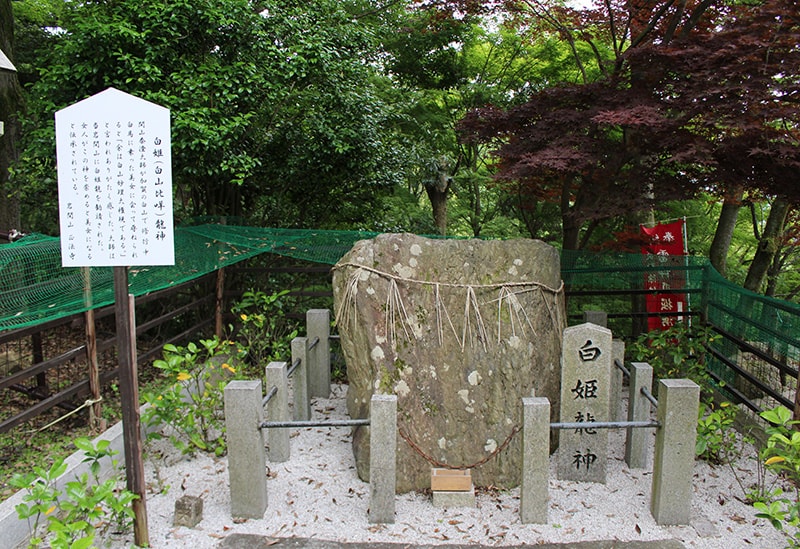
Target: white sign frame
point(115, 182)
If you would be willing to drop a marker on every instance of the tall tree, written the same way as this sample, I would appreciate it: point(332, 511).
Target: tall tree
point(693, 86)
point(769, 244)
point(274, 115)
point(10, 103)
point(723, 236)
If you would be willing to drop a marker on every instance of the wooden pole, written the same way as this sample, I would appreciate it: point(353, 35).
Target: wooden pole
point(129, 394)
point(91, 352)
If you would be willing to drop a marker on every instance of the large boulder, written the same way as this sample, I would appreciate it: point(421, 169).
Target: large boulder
point(460, 331)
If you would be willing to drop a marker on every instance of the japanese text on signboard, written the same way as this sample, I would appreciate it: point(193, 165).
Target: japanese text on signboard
point(115, 192)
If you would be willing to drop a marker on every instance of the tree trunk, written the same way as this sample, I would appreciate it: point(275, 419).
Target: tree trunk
point(768, 245)
point(437, 193)
point(439, 204)
point(10, 102)
point(731, 204)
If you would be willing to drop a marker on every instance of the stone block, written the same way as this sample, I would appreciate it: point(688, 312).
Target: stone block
point(247, 460)
point(301, 409)
point(671, 495)
point(188, 511)
point(534, 490)
point(278, 410)
point(447, 500)
point(637, 441)
point(318, 325)
point(383, 458)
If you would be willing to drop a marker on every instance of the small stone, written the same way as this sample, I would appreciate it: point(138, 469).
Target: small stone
point(704, 527)
point(188, 511)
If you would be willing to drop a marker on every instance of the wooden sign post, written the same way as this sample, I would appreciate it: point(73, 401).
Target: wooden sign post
point(115, 209)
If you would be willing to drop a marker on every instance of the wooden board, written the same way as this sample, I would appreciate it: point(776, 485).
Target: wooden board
point(451, 480)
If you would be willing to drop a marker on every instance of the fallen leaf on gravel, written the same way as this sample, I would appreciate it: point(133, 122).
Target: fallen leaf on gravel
point(453, 521)
point(638, 529)
point(738, 519)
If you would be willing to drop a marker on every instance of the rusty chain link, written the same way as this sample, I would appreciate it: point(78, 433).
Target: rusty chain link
point(433, 461)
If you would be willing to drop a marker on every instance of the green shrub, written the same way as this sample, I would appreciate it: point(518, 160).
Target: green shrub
point(192, 401)
point(716, 438)
point(782, 456)
point(677, 353)
point(264, 330)
point(72, 518)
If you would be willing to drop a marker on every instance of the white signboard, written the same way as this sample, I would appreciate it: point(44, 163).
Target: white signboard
point(114, 182)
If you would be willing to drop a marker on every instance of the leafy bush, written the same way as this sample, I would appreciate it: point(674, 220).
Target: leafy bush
point(264, 331)
point(716, 438)
point(782, 455)
point(676, 353)
point(192, 401)
point(72, 518)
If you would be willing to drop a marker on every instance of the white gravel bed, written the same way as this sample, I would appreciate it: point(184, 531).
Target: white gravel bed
point(317, 494)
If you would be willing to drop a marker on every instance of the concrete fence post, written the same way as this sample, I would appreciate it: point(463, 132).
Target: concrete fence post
point(278, 410)
point(596, 317)
point(318, 325)
point(534, 493)
point(616, 412)
point(671, 494)
point(246, 458)
point(636, 440)
point(302, 405)
point(382, 458)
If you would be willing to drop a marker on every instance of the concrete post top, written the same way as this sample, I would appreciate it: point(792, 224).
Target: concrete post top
point(276, 365)
point(384, 398)
point(530, 401)
point(678, 383)
point(243, 384)
point(587, 326)
point(641, 365)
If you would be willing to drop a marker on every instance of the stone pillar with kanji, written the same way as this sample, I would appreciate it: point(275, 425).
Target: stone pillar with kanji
point(585, 392)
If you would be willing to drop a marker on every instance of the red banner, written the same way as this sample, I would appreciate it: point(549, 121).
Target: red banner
point(664, 248)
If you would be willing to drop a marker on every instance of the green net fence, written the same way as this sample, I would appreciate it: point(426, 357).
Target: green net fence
point(34, 288)
point(761, 335)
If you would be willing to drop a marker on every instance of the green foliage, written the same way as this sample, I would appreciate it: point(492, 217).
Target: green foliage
point(676, 353)
point(274, 109)
point(73, 517)
point(264, 331)
point(716, 437)
point(782, 456)
point(192, 402)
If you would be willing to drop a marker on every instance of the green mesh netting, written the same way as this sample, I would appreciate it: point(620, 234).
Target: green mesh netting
point(34, 288)
point(770, 326)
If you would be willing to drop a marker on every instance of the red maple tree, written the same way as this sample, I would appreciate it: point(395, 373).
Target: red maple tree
point(700, 95)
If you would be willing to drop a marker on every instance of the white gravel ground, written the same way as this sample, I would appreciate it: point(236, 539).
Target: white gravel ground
point(317, 494)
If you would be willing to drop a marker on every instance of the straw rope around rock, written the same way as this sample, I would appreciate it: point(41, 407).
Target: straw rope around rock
point(474, 326)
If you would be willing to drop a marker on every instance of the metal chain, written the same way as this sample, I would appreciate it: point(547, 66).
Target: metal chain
point(433, 461)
